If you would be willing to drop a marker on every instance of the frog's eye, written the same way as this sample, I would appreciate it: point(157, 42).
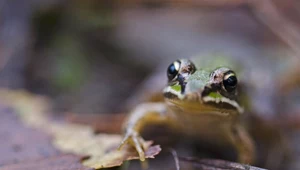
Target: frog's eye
point(173, 70)
point(230, 81)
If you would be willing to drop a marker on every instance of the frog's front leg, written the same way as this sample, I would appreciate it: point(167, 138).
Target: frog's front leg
point(142, 115)
point(244, 145)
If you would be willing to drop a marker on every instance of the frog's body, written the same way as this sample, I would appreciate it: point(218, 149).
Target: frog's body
point(198, 103)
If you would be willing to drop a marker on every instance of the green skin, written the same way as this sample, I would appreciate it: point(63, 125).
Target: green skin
point(198, 104)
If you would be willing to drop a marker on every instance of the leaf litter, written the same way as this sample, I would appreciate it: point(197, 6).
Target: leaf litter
point(100, 149)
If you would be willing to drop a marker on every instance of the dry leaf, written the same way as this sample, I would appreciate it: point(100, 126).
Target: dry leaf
point(70, 137)
point(101, 148)
point(105, 123)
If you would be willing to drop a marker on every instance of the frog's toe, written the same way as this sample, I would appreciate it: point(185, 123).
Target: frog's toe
point(139, 147)
point(123, 142)
point(136, 141)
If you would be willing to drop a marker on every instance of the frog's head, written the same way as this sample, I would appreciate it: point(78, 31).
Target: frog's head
point(201, 90)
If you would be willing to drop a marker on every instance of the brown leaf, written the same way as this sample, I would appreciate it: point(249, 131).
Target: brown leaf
point(116, 158)
point(105, 123)
point(68, 137)
point(61, 162)
point(101, 148)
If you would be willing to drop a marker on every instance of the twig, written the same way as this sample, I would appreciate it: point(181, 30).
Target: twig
point(175, 156)
point(206, 164)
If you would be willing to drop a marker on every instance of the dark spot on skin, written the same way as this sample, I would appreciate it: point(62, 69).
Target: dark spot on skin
point(181, 83)
point(213, 88)
point(170, 95)
point(192, 68)
point(206, 91)
point(222, 105)
point(217, 87)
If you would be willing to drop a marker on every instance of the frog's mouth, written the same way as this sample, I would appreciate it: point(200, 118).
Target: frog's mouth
point(219, 101)
point(201, 108)
point(203, 100)
point(213, 103)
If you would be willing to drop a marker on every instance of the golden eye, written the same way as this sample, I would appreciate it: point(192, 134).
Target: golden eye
point(230, 81)
point(173, 70)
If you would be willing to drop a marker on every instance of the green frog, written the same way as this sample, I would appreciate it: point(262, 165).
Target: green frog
point(199, 103)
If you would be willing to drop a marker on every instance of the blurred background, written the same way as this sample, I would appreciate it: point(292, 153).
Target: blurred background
point(92, 56)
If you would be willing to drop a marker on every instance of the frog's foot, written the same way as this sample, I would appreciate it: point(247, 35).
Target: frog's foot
point(135, 140)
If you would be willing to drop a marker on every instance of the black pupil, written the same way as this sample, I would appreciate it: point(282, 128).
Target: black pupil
point(172, 72)
point(230, 83)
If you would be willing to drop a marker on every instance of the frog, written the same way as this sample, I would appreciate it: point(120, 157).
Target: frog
point(198, 102)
